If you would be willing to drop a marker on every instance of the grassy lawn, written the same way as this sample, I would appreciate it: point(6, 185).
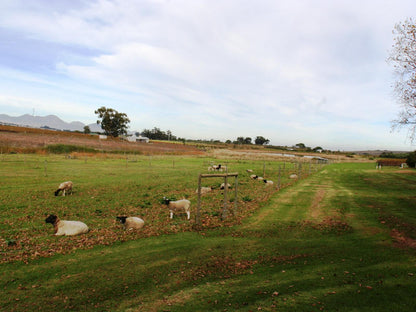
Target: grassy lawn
point(340, 240)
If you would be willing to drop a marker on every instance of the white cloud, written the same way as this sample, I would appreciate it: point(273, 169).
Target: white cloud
point(212, 68)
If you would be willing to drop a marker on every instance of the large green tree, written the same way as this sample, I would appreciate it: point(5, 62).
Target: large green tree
point(112, 122)
point(403, 58)
point(260, 140)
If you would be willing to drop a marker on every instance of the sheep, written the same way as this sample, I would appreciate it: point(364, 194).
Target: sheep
point(182, 204)
point(63, 227)
point(293, 176)
point(204, 189)
point(254, 176)
point(268, 182)
point(64, 187)
point(249, 170)
point(223, 186)
point(218, 167)
point(131, 223)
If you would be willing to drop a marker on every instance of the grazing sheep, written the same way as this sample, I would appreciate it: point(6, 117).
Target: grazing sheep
point(182, 204)
point(223, 186)
point(204, 189)
point(218, 167)
point(254, 176)
point(64, 187)
point(268, 182)
point(131, 222)
point(249, 170)
point(293, 176)
point(63, 227)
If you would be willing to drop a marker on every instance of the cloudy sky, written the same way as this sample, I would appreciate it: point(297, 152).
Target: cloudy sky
point(300, 71)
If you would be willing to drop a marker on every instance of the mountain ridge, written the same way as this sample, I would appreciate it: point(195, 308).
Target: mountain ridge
point(50, 121)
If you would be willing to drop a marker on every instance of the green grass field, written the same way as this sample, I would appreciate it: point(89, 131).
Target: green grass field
point(342, 239)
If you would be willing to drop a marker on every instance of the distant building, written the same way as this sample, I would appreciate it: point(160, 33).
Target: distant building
point(140, 139)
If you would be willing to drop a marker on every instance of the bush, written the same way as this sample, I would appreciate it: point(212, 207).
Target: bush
point(66, 149)
point(411, 159)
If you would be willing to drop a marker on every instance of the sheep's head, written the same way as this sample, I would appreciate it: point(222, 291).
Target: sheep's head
point(51, 219)
point(166, 200)
point(122, 219)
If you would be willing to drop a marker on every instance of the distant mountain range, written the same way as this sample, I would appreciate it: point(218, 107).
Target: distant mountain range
point(50, 121)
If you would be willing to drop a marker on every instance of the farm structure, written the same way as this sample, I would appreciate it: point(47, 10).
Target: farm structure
point(225, 176)
point(391, 162)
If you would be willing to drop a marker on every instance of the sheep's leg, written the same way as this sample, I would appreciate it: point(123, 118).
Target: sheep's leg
point(171, 214)
point(189, 214)
point(63, 193)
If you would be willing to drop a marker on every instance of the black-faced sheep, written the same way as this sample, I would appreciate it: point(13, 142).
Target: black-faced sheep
point(64, 187)
point(217, 168)
point(182, 204)
point(64, 227)
point(268, 182)
point(254, 176)
point(131, 222)
point(223, 186)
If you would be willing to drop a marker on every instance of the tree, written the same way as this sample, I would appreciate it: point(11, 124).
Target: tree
point(411, 159)
point(112, 122)
point(87, 130)
point(403, 57)
point(261, 140)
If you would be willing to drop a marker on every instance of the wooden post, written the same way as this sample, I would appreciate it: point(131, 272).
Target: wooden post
point(224, 210)
point(235, 194)
point(278, 181)
point(217, 175)
point(198, 210)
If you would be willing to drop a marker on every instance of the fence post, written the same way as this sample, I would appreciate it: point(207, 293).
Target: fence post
point(224, 211)
point(235, 195)
point(278, 181)
point(198, 210)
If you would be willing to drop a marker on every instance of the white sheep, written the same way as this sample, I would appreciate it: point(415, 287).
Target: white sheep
point(64, 187)
point(268, 182)
point(131, 223)
point(64, 227)
point(249, 170)
point(293, 176)
point(223, 186)
point(218, 167)
point(204, 189)
point(254, 176)
point(182, 204)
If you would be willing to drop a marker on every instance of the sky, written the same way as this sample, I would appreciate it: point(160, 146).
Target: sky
point(299, 71)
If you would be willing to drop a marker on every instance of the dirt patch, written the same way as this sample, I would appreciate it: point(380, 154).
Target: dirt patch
point(315, 206)
point(401, 240)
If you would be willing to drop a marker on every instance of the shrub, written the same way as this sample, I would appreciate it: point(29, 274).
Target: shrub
point(66, 149)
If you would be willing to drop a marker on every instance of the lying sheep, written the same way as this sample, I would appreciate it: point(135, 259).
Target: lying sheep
point(223, 186)
point(254, 176)
point(182, 204)
point(204, 189)
point(63, 227)
point(131, 223)
point(64, 187)
point(293, 176)
point(268, 182)
point(249, 170)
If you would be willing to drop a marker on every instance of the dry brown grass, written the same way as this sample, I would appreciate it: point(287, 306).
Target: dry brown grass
point(30, 140)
